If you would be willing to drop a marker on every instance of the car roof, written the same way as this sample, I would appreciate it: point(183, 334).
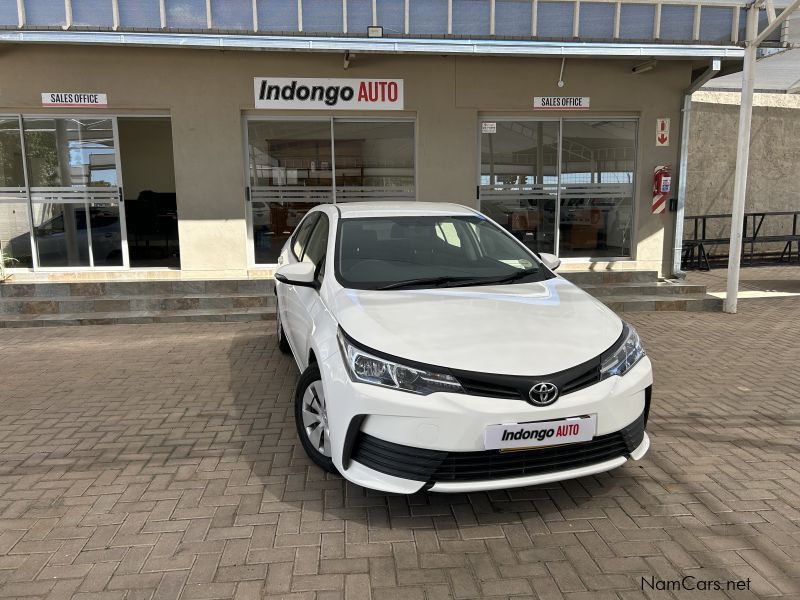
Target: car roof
point(360, 210)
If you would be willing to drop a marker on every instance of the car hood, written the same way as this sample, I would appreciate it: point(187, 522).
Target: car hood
point(524, 329)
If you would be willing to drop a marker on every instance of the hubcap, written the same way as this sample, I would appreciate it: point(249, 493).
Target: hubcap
point(315, 418)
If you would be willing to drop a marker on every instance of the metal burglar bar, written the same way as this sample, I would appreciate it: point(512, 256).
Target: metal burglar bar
point(687, 22)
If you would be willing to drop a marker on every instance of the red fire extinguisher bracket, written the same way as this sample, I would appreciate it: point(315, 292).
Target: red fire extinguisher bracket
point(662, 186)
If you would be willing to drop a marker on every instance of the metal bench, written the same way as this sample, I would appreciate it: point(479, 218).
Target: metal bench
point(695, 253)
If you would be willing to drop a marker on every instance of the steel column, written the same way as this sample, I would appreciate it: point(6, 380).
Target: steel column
point(742, 158)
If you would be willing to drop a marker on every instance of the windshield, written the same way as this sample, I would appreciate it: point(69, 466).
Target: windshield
point(430, 251)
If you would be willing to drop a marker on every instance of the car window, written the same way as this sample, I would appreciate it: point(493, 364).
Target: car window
point(317, 243)
point(300, 237)
point(446, 231)
point(376, 252)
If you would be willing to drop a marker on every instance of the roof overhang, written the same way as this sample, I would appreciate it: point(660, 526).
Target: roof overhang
point(462, 47)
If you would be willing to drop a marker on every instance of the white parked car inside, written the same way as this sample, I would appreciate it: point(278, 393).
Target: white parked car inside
point(439, 353)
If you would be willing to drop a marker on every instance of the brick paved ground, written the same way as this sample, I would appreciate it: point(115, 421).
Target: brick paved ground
point(160, 461)
point(780, 278)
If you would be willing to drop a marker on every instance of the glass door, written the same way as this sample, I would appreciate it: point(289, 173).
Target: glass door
point(290, 172)
point(374, 159)
point(597, 169)
point(15, 241)
point(519, 178)
point(75, 192)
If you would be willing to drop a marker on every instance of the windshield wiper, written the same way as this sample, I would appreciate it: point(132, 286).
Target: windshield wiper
point(449, 281)
point(433, 281)
point(507, 279)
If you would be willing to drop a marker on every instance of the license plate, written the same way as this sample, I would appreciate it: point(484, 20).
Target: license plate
point(535, 434)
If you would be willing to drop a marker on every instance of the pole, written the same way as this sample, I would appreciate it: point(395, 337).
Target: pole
point(742, 158)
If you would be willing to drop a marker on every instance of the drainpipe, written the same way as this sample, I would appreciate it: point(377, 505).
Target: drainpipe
point(711, 71)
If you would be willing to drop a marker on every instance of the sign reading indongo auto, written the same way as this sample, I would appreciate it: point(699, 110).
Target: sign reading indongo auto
point(561, 102)
point(329, 94)
point(79, 99)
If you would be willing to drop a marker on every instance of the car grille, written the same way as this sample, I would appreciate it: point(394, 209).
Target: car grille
point(420, 464)
point(516, 387)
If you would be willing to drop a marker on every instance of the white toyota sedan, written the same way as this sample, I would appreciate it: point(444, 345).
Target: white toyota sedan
point(439, 353)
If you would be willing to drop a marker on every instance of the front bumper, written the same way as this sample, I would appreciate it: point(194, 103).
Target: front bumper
point(398, 442)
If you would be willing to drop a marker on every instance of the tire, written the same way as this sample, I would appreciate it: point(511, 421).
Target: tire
point(283, 343)
point(309, 405)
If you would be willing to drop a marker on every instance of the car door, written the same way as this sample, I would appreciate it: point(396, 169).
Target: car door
point(308, 300)
point(287, 294)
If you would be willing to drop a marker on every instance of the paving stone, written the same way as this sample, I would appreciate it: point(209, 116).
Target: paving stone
point(160, 461)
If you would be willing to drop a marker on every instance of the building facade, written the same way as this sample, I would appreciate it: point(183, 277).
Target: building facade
point(194, 154)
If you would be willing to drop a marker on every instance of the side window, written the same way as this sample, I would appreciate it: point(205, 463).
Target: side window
point(300, 237)
point(318, 242)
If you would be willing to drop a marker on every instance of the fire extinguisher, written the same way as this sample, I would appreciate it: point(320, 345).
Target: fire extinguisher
point(662, 185)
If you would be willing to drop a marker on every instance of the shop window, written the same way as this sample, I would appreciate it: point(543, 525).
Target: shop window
point(597, 20)
point(15, 241)
point(471, 17)
point(677, 22)
point(232, 14)
point(98, 13)
point(8, 13)
point(513, 18)
point(392, 15)
point(716, 24)
point(291, 167)
point(636, 21)
point(143, 14)
point(374, 160)
point(359, 15)
point(186, 14)
point(585, 199)
point(12, 174)
point(45, 12)
point(554, 19)
point(322, 16)
point(277, 15)
point(428, 16)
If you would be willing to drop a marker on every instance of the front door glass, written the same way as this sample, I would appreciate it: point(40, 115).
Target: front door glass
point(519, 179)
point(291, 171)
point(597, 168)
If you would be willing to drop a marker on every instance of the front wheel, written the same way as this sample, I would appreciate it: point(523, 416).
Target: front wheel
point(311, 418)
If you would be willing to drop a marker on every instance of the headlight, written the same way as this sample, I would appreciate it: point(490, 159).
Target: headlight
point(364, 367)
point(621, 358)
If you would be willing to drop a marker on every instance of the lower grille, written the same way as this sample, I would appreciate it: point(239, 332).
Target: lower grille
point(420, 464)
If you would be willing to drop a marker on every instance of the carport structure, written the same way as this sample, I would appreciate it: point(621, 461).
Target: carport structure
point(754, 37)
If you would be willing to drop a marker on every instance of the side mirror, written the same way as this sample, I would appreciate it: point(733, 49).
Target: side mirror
point(551, 261)
point(300, 274)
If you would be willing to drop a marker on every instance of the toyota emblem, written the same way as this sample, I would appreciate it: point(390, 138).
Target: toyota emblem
point(543, 393)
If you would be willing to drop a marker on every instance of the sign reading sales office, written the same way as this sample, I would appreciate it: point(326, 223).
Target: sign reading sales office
point(328, 94)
